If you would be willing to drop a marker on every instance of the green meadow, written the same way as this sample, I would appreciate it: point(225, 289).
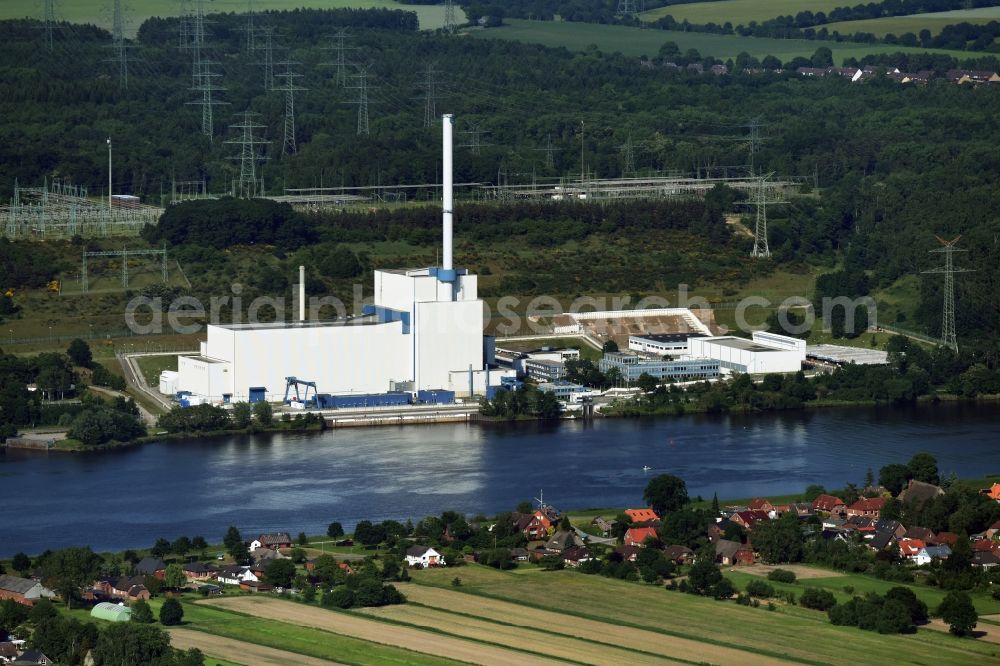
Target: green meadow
point(899, 25)
point(739, 11)
point(639, 41)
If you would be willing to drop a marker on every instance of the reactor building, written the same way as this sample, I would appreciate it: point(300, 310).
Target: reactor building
point(424, 331)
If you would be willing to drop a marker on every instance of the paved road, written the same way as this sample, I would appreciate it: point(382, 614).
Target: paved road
point(148, 417)
point(137, 381)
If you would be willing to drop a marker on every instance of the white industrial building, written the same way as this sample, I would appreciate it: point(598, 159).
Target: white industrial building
point(662, 344)
point(424, 331)
point(766, 352)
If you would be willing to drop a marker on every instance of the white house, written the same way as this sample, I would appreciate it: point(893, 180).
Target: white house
point(237, 575)
point(423, 556)
point(926, 555)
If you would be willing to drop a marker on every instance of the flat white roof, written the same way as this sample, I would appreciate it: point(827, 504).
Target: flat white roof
point(741, 343)
point(365, 320)
point(842, 354)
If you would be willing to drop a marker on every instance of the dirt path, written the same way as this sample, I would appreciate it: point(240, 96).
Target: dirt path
point(802, 572)
point(238, 651)
point(983, 632)
point(604, 632)
point(560, 647)
point(379, 632)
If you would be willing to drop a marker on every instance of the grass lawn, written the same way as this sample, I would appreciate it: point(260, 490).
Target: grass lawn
point(88, 11)
point(914, 23)
point(932, 596)
point(639, 41)
point(794, 636)
point(152, 366)
point(739, 11)
point(303, 640)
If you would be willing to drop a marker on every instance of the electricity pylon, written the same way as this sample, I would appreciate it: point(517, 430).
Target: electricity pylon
point(249, 28)
point(450, 24)
point(206, 86)
point(949, 337)
point(628, 158)
point(268, 48)
point(289, 87)
point(430, 84)
point(48, 21)
point(550, 152)
point(120, 57)
point(362, 87)
point(338, 44)
point(760, 247)
point(248, 186)
point(475, 135)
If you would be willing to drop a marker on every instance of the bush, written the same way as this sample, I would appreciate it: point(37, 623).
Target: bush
point(782, 576)
point(758, 588)
point(957, 610)
point(338, 597)
point(102, 425)
point(171, 612)
point(817, 599)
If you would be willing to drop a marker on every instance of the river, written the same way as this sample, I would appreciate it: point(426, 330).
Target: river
point(127, 498)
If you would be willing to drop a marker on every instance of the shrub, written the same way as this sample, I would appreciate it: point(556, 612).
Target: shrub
point(782, 576)
point(338, 597)
point(758, 588)
point(957, 610)
point(171, 612)
point(817, 599)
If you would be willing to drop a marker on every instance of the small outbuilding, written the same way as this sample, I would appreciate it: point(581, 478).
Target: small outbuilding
point(111, 612)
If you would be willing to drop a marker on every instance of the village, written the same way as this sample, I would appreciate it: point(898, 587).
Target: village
point(663, 544)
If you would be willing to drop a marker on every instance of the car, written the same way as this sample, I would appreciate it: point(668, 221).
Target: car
point(220, 556)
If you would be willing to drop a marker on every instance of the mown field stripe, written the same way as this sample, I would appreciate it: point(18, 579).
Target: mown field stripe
point(659, 630)
point(583, 639)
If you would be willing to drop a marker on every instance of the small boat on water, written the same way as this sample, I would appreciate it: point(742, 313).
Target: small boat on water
point(646, 468)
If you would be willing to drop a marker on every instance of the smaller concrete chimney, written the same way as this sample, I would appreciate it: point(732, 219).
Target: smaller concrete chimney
point(302, 293)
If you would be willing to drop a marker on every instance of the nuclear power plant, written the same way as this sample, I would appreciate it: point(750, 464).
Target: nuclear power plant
point(422, 335)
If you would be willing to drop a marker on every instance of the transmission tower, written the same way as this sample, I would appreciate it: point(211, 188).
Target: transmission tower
point(206, 86)
point(118, 44)
point(268, 48)
point(250, 29)
point(290, 88)
point(475, 135)
point(430, 84)
point(362, 87)
point(338, 44)
point(550, 152)
point(450, 24)
point(760, 201)
point(49, 21)
point(948, 334)
point(629, 8)
point(628, 158)
point(248, 187)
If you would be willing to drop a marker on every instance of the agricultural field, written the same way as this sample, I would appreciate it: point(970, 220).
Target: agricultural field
point(87, 11)
point(914, 23)
point(789, 634)
point(638, 41)
point(739, 11)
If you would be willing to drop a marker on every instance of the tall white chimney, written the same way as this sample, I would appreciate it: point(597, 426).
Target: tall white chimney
point(448, 122)
point(302, 293)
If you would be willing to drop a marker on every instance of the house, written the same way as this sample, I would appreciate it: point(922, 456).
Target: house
point(151, 566)
point(717, 530)
point(32, 658)
point(423, 556)
point(747, 519)
point(867, 506)
point(888, 525)
point(7, 652)
point(985, 559)
point(255, 586)
point(239, 574)
point(519, 554)
point(198, 571)
point(929, 553)
point(921, 533)
point(909, 548)
point(136, 593)
point(882, 540)
point(534, 526)
point(636, 536)
point(732, 553)
point(760, 504)
point(679, 554)
point(993, 492)
point(641, 515)
point(275, 541)
point(993, 531)
point(23, 590)
point(918, 492)
point(264, 556)
point(562, 540)
point(829, 504)
point(604, 524)
point(944, 539)
point(628, 553)
point(574, 556)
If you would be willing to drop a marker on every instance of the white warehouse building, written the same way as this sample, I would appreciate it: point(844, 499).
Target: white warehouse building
point(766, 352)
point(423, 331)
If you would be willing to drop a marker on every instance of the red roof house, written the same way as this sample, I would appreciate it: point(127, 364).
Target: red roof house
point(747, 519)
point(828, 503)
point(641, 515)
point(760, 504)
point(910, 547)
point(636, 536)
point(867, 506)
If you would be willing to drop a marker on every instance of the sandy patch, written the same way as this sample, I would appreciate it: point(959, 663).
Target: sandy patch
point(238, 651)
point(802, 571)
point(594, 630)
point(983, 632)
point(378, 632)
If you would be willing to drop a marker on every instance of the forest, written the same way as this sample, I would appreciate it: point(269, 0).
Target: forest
point(884, 167)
